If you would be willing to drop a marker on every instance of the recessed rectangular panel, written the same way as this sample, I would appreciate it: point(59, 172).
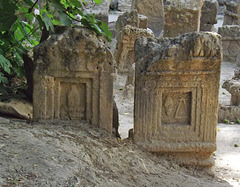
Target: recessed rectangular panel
point(72, 101)
point(176, 108)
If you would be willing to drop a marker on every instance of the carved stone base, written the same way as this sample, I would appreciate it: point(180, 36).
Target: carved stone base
point(195, 154)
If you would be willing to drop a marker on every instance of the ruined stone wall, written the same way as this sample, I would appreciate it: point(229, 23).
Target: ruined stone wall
point(73, 78)
point(176, 95)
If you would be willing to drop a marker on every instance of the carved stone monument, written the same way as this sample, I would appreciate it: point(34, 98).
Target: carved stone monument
point(232, 12)
point(230, 42)
point(154, 10)
point(73, 78)
point(124, 52)
point(182, 16)
point(208, 15)
point(176, 96)
point(232, 111)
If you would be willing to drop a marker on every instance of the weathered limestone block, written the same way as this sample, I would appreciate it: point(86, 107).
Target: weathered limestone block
point(154, 10)
point(233, 87)
point(230, 41)
point(128, 18)
point(101, 11)
point(73, 78)
point(182, 16)
point(232, 12)
point(176, 95)
point(208, 15)
point(124, 5)
point(124, 53)
point(231, 112)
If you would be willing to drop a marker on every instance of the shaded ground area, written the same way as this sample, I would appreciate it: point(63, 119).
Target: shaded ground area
point(71, 154)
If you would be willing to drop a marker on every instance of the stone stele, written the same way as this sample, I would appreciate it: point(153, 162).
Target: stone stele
point(230, 42)
point(182, 16)
point(232, 12)
point(73, 78)
point(154, 10)
point(209, 15)
point(176, 96)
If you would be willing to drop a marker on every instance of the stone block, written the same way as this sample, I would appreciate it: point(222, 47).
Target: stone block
point(230, 41)
point(128, 18)
point(232, 12)
point(176, 96)
point(208, 15)
point(182, 16)
point(154, 10)
point(73, 78)
point(124, 53)
point(101, 11)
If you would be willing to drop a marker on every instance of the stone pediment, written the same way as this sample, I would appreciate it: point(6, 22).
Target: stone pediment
point(75, 50)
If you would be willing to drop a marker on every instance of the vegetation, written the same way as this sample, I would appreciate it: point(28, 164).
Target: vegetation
point(21, 25)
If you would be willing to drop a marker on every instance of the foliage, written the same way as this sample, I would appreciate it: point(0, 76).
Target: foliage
point(22, 21)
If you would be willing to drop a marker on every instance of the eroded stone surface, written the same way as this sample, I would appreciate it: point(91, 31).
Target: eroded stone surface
point(182, 16)
point(231, 42)
point(101, 11)
point(208, 15)
point(154, 10)
point(128, 18)
point(233, 87)
point(232, 12)
point(176, 95)
point(124, 53)
point(73, 78)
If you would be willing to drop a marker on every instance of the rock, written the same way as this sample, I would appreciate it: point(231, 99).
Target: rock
point(154, 10)
point(116, 119)
point(208, 15)
point(114, 5)
point(182, 16)
point(232, 12)
point(18, 108)
point(230, 42)
point(101, 11)
point(124, 52)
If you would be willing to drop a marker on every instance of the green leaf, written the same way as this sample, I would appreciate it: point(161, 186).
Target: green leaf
point(48, 22)
point(40, 21)
point(5, 64)
point(98, 1)
point(57, 5)
point(65, 19)
point(105, 29)
point(29, 16)
point(76, 3)
point(8, 16)
point(23, 9)
point(3, 79)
